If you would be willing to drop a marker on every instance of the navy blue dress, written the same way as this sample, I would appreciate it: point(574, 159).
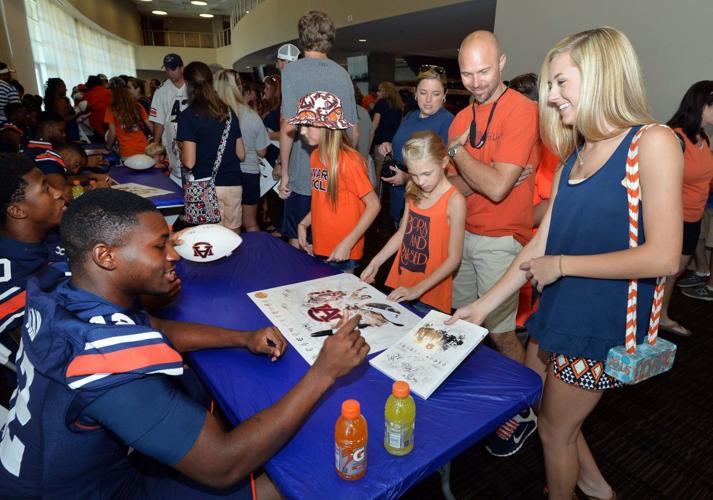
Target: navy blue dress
point(585, 317)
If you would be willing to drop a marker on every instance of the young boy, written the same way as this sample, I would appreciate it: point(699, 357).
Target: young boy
point(14, 133)
point(157, 151)
point(98, 375)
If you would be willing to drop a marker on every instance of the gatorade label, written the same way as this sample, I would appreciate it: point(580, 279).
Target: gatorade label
point(350, 461)
point(398, 435)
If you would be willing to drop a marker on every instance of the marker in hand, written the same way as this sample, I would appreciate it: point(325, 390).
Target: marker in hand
point(328, 332)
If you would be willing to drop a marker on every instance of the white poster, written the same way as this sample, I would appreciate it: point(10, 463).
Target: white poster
point(141, 189)
point(307, 312)
point(429, 353)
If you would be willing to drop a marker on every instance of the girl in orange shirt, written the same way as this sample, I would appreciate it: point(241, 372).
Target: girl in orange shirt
point(343, 202)
point(430, 238)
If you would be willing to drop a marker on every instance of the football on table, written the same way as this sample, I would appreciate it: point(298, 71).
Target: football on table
point(207, 243)
point(139, 162)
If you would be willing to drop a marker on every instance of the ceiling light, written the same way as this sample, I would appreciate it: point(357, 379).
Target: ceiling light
point(362, 40)
point(206, 15)
point(198, 2)
point(159, 12)
point(247, 12)
point(145, 0)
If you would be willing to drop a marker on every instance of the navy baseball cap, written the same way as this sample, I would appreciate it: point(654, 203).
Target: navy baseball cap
point(172, 61)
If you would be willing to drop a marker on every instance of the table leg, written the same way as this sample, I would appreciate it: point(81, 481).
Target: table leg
point(445, 473)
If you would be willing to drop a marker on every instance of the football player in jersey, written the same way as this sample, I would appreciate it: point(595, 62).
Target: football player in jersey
point(29, 209)
point(96, 376)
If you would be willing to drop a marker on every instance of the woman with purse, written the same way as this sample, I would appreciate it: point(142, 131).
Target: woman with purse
point(211, 151)
point(593, 111)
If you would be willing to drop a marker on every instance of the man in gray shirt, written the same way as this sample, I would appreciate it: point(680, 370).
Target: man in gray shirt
point(313, 73)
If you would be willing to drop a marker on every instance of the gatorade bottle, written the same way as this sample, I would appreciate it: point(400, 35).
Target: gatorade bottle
point(92, 184)
point(350, 436)
point(77, 189)
point(399, 420)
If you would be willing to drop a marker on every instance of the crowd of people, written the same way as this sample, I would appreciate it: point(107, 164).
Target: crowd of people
point(513, 214)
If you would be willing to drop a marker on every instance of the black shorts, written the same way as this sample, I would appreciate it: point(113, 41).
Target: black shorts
point(251, 189)
point(691, 234)
point(296, 207)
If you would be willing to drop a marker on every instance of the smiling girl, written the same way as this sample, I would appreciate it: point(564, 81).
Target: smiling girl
point(592, 104)
point(430, 238)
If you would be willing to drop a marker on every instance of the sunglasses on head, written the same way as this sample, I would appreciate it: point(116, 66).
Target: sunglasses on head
point(431, 67)
point(272, 78)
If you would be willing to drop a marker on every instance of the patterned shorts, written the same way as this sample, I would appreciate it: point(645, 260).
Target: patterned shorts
point(584, 373)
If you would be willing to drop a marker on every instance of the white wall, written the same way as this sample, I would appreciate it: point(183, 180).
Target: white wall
point(151, 58)
point(672, 38)
point(15, 48)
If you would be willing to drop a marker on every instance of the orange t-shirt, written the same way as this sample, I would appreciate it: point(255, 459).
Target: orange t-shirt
point(424, 248)
point(513, 137)
point(330, 225)
point(545, 174)
point(131, 141)
point(697, 176)
point(98, 99)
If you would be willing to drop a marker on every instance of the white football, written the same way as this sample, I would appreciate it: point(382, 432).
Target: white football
point(207, 243)
point(139, 162)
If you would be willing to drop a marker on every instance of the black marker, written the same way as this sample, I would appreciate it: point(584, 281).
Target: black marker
point(326, 333)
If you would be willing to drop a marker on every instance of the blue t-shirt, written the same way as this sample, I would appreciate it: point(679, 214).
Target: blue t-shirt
point(438, 122)
point(388, 123)
point(46, 159)
point(206, 133)
point(93, 379)
point(18, 262)
point(271, 120)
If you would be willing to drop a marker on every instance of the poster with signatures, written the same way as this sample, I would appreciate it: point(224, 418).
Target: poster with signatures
point(141, 189)
point(306, 312)
point(429, 353)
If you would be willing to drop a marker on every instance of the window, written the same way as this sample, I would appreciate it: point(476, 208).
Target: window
point(64, 47)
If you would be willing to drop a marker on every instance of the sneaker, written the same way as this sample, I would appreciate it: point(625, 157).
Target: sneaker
point(692, 280)
point(701, 292)
point(526, 425)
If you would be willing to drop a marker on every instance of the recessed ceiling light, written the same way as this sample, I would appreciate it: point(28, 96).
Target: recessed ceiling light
point(362, 40)
point(145, 0)
point(198, 2)
point(159, 12)
point(206, 15)
point(247, 12)
point(248, 67)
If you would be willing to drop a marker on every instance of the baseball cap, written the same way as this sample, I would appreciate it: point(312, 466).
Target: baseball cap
point(4, 68)
point(172, 61)
point(288, 52)
point(320, 109)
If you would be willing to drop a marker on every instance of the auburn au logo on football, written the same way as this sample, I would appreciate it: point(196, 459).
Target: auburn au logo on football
point(202, 249)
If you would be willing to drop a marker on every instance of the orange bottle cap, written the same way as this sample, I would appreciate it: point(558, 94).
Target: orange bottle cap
point(351, 408)
point(400, 389)
point(76, 182)
point(93, 182)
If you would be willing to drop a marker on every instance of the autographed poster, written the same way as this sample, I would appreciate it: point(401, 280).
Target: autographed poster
point(429, 353)
point(301, 310)
point(141, 189)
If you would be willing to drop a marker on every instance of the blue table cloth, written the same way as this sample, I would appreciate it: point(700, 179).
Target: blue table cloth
point(154, 178)
point(481, 393)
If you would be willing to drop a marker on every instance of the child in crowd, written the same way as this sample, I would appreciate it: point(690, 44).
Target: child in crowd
point(430, 238)
point(343, 202)
point(14, 133)
point(157, 151)
point(128, 122)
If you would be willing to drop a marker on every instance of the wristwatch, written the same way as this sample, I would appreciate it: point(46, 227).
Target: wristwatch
point(453, 150)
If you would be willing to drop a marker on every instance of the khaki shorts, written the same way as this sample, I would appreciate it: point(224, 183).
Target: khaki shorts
point(707, 227)
point(485, 260)
point(230, 200)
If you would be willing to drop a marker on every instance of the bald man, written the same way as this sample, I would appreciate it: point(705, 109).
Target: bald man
point(491, 142)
